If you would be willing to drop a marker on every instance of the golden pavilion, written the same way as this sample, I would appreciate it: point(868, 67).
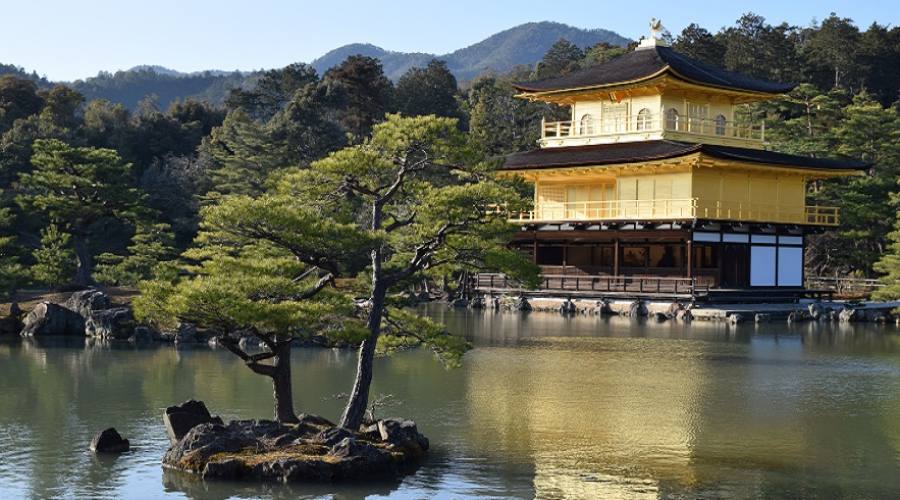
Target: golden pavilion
point(658, 173)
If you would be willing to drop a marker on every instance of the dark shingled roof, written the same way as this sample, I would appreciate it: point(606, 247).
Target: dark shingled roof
point(629, 152)
point(644, 63)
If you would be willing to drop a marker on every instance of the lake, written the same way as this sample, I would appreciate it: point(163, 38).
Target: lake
point(543, 406)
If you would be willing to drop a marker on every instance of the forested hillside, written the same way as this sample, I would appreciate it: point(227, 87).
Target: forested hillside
point(96, 191)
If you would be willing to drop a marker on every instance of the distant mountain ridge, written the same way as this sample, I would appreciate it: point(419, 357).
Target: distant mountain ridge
point(525, 44)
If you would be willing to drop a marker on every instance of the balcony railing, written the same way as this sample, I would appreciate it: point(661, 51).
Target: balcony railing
point(677, 209)
point(649, 123)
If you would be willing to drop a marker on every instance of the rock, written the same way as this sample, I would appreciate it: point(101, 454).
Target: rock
point(110, 324)
point(876, 316)
point(477, 303)
point(735, 318)
point(601, 308)
point(48, 318)
point(761, 318)
point(86, 302)
point(816, 311)
point(316, 420)
point(225, 469)
point(403, 434)
point(15, 311)
point(250, 342)
point(567, 307)
point(684, 315)
point(660, 317)
point(260, 450)
point(848, 315)
point(185, 333)
point(109, 441)
point(351, 448)
point(459, 302)
point(496, 303)
point(521, 303)
point(636, 309)
point(332, 436)
point(797, 316)
point(143, 335)
point(180, 419)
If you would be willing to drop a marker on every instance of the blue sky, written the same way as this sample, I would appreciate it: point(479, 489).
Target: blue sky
point(69, 39)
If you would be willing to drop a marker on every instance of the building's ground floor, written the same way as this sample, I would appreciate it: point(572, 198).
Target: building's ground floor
point(713, 255)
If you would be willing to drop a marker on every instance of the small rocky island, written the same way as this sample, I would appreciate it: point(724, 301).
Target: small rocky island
point(310, 450)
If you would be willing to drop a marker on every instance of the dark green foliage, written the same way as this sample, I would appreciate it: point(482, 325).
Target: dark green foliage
point(76, 187)
point(130, 87)
point(18, 99)
point(54, 261)
point(697, 42)
point(272, 91)
point(562, 58)
point(428, 91)
point(359, 93)
point(12, 273)
point(152, 246)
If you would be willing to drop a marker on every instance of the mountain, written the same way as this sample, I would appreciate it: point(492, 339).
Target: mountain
point(523, 44)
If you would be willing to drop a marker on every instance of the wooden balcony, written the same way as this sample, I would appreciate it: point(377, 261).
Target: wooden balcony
point(676, 209)
point(650, 126)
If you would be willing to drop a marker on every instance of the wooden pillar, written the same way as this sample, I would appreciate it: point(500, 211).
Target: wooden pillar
point(565, 257)
point(690, 259)
point(534, 247)
point(616, 257)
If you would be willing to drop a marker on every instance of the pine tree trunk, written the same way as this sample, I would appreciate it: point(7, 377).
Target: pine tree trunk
point(358, 402)
point(281, 384)
point(85, 264)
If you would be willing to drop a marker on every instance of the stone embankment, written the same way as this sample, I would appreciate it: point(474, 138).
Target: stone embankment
point(91, 314)
point(313, 449)
point(660, 311)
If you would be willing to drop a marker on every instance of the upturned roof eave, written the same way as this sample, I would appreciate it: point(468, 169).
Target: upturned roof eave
point(536, 94)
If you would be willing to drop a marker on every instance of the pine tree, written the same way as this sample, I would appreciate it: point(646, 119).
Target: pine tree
point(54, 260)
point(889, 264)
point(12, 274)
point(152, 246)
point(77, 187)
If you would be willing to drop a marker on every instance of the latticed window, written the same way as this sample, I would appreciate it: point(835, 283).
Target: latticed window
point(672, 119)
point(587, 124)
point(720, 125)
point(643, 120)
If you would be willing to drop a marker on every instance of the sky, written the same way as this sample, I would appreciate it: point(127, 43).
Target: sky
point(72, 39)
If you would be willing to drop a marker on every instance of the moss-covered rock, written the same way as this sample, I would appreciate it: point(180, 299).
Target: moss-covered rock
point(312, 450)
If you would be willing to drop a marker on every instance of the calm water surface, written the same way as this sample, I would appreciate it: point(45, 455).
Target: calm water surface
point(544, 406)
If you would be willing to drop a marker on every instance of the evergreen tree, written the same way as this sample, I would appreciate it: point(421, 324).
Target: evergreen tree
point(359, 93)
point(696, 42)
point(12, 273)
point(55, 260)
point(152, 246)
point(834, 46)
point(562, 58)
point(77, 187)
point(406, 202)
point(428, 91)
point(889, 264)
point(243, 154)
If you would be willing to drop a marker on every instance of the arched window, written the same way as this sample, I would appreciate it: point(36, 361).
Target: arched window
point(672, 119)
point(587, 125)
point(643, 120)
point(720, 125)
